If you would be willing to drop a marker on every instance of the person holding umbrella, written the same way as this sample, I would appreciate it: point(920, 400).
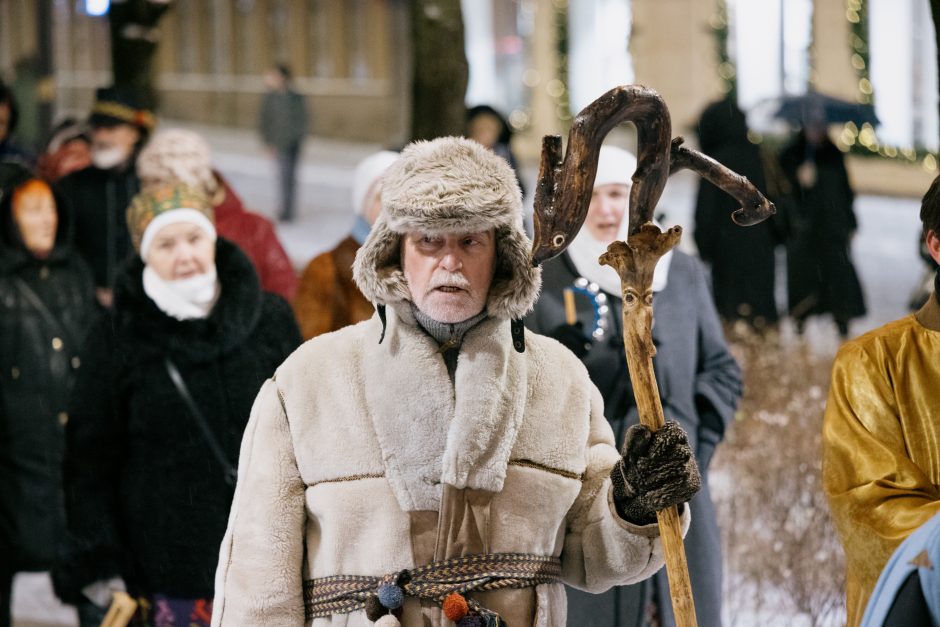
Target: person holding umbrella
point(821, 278)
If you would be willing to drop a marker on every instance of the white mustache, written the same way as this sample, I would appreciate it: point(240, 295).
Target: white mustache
point(449, 279)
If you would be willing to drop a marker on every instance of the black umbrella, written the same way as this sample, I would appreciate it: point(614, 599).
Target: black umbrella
point(814, 107)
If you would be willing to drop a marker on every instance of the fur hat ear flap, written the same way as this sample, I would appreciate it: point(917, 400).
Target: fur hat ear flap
point(516, 282)
point(377, 269)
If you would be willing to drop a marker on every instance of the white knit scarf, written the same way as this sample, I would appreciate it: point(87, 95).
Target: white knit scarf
point(585, 250)
point(185, 299)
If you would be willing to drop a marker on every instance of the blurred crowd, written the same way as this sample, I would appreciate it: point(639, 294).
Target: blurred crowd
point(143, 307)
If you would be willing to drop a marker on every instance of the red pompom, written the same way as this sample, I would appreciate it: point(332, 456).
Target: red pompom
point(455, 606)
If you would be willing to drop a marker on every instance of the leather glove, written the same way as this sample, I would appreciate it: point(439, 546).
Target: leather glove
point(573, 337)
point(657, 470)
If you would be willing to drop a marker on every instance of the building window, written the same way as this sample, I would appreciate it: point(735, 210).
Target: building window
point(776, 35)
point(903, 72)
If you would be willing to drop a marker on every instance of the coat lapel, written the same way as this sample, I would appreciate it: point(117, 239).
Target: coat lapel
point(410, 400)
point(490, 403)
point(431, 431)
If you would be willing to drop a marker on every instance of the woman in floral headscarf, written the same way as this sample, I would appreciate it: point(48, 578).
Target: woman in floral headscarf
point(168, 381)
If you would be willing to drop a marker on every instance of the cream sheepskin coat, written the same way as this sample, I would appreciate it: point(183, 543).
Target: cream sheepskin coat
point(324, 489)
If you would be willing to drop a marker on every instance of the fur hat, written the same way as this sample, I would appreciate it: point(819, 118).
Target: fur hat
point(448, 185)
point(367, 173)
point(177, 156)
point(159, 205)
point(614, 165)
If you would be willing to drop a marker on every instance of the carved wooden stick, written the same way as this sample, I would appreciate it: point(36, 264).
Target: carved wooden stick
point(635, 261)
point(755, 207)
point(563, 191)
point(562, 198)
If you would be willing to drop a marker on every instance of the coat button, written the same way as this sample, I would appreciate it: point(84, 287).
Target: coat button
point(56, 344)
point(15, 372)
point(63, 418)
point(44, 273)
point(76, 362)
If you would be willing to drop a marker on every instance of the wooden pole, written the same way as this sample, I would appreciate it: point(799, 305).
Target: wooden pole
point(562, 198)
point(635, 261)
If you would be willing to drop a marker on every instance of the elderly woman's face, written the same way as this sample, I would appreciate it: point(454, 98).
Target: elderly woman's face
point(606, 211)
point(181, 250)
point(449, 275)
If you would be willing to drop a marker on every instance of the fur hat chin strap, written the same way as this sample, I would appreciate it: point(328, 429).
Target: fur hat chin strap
point(517, 331)
point(380, 309)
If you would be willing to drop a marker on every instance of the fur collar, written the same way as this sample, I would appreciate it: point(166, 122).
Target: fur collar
point(460, 434)
point(148, 330)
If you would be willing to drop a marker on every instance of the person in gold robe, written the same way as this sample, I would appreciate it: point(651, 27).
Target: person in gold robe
point(881, 434)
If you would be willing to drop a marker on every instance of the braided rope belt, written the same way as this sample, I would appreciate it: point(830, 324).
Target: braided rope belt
point(341, 594)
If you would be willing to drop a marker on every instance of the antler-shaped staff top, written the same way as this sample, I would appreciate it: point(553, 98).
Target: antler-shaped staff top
point(563, 191)
point(564, 188)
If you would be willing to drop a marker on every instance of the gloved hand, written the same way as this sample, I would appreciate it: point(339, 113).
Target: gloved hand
point(657, 470)
point(573, 337)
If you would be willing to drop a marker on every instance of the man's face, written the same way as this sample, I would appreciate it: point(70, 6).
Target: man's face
point(449, 275)
point(605, 213)
point(181, 250)
point(36, 218)
point(112, 146)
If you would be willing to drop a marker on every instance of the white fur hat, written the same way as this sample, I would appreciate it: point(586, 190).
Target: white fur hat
point(368, 172)
point(614, 165)
point(449, 185)
point(177, 156)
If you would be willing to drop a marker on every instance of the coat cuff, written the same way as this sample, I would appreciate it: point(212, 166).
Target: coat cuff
point(651, 530)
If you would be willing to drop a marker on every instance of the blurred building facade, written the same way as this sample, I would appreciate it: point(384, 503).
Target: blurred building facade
point(536, 60)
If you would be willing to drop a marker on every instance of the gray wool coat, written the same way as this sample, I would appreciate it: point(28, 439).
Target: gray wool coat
point(699, 384)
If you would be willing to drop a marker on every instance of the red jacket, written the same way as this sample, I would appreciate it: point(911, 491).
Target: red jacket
point(255, 235)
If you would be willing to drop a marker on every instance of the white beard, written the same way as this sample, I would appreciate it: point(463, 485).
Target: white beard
point(108, 158)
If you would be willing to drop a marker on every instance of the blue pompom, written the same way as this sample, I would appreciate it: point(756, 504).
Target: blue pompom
point(391, 596)
point(471, 620)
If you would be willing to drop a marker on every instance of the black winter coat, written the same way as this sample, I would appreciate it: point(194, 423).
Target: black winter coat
point(46, 307)
point(742, 260)
point(699, 385)
point(99, 200)
point(146, 498)
point(821, 277)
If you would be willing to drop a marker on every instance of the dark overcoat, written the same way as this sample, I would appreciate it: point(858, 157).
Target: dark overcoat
point(699, 384)
point(99, 200)
point(742, 260)
point(821, 277)
point(146, 498)
point(46, 308)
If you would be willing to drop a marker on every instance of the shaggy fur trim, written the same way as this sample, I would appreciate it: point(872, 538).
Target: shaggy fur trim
point(444, 186)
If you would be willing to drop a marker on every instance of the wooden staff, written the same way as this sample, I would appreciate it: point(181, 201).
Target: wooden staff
point(562, 198)
point(635, 261)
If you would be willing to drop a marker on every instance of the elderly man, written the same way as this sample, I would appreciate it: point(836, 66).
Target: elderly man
point(99, 195)
point(881, 468)
point(434, 463)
